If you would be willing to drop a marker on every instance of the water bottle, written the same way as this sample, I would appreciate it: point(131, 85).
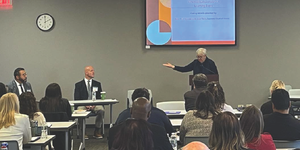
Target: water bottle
point(94, 96)
point(44, 131)
point(34, 126)
point(173, 141)
point(4, 146)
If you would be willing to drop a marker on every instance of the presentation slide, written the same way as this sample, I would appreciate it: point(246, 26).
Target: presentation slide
point(190, 22)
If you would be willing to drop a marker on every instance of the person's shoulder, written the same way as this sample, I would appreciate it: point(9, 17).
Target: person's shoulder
point(79, 82)
point(95, 81)
point(19, 116)
point(266, 135)
point(125, 112)
point(155, 109)
point(11, 83)
point(157, 128)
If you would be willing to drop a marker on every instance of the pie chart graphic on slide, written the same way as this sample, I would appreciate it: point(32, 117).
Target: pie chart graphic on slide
point(158, 32)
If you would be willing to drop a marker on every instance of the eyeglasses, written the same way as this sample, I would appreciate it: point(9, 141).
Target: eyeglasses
point(199, 57)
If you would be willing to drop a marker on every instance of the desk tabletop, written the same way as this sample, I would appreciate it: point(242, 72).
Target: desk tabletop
point(42, 141)
point(81, 115)
point(93, 102)
point(61, 125)
point(183, 112)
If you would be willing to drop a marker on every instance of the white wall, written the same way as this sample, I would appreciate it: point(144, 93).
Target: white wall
point(110, 36)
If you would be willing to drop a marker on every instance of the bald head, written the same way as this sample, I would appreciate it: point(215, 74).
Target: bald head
point(89, 72)
point(195, 146)
point(140, 109)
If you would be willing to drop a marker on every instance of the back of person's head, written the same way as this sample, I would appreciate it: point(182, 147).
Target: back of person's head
point(3, 89)
point(53, 91)
point(216, 89)
point(9, 105)
point(28, 104)
point(281, 99)
point(195, 146)
point(277, 84)
point(252, 123)
point(200, 80)
point(140, 109)
point(17, 72)
point(226, 133)
point(205, 105)
point(140, 92)
point(134, 134)
point(52, 99)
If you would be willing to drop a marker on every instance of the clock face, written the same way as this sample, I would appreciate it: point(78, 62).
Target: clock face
point(45, 22)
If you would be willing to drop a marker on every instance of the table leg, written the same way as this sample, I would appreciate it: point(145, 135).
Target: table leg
point(110, 119)
point(67, 140)
point(83, 132)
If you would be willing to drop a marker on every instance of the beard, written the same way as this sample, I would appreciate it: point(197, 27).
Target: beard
point(23, 80)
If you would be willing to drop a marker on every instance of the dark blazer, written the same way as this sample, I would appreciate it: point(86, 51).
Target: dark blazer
point(13, 87)
point(159, 136)
point(190, 98)
point(207, 67)
point(81, 93)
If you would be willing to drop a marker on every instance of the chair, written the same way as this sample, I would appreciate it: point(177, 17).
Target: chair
point(171, 105)
point(11, 144)
point(56, 116)
point(129, 100)
point(189, 139)
point(287, 144)
point(288, 87)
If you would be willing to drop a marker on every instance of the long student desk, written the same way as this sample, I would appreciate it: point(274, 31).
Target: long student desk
point(109, 102)
point(39, 144)
point(63, 127)
point(82, 122)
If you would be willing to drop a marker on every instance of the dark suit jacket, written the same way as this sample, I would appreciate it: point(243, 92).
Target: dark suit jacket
point(81, 93)
point(190, 98)
point(13, 87)
point(159, 136)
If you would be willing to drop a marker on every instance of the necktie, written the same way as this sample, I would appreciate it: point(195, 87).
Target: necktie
point(21, 89)
point(89, 90)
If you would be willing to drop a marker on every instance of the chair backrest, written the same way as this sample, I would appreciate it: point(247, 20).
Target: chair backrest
point(11, 144)
point(294, 92)
point(189, 139)
point(56, 116)
point(288, 87)
point(287, 144)
point(129, 100)
point(171, 105)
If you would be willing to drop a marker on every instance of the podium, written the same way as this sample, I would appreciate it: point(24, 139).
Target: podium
point(210, 77)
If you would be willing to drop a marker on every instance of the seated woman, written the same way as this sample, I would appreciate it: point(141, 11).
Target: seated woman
point(53, 102)
point(3, 89)
point(216, 89)
point(252, 124)
point(28, 106)
point(135, 134)
point(199, 122)
point(13, 125)
point(266, 108)
point(226, 133)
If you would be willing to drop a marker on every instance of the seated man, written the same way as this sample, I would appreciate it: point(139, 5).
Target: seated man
point(83, 91)
point(141, 109)
point(200, 83)
point(280, 124)
point(158, 116)
point(195, 146)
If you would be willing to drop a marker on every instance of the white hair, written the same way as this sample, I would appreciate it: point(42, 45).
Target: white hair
point(201, 51)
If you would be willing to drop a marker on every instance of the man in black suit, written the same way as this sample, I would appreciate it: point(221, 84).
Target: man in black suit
point(83, 91)
point(141, 109)
point(20, 84)
point(200, 83)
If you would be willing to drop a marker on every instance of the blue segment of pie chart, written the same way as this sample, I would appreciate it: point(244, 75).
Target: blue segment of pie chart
point(155, 36)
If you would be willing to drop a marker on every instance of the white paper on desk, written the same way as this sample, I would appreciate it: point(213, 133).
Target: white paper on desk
point(34, 138)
